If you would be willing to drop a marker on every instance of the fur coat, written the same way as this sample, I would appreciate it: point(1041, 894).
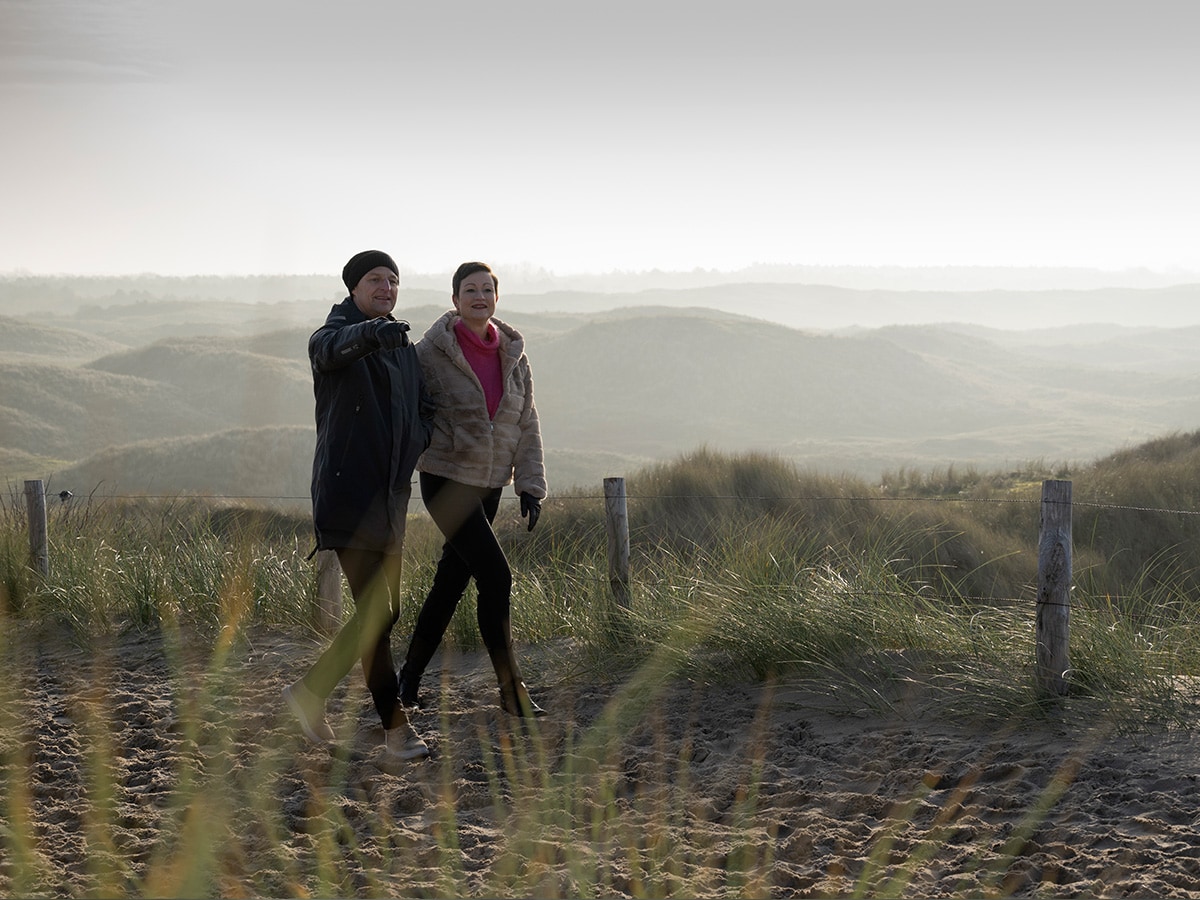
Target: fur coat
point(466, 445)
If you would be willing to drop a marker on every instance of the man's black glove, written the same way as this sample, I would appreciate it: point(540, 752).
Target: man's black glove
point(391, 334)
point(530, 506)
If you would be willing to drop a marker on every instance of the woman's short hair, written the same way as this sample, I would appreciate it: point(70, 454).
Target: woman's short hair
point(470, 268)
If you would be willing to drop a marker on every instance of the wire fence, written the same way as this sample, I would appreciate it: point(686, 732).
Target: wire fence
point(1053, 598)
point(741, 498)
point(66, 500)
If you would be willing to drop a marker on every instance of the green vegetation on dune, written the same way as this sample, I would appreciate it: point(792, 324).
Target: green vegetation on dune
point(51, 341)
point(271, 466)
point(744, 570)
point(224, 381)
point(617, 388)
point(69, 412)
point(741, 564)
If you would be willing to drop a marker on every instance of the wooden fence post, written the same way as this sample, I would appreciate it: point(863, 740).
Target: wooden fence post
point(617, 518)
point(1054, 588)
point(35, 503)
point(329, 591)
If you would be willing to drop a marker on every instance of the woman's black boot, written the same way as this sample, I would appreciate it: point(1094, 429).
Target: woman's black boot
point(514, 695)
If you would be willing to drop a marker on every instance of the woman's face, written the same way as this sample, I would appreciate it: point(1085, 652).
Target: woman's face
point(476, 298)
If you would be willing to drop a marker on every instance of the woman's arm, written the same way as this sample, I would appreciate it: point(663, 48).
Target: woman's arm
point(529, 463)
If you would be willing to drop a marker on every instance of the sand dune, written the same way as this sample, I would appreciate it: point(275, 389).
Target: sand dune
point(680, 788)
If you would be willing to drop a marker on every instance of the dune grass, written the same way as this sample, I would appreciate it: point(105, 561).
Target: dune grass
point(744, 569)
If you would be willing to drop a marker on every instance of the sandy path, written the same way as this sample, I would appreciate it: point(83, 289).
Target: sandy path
point(697, 790)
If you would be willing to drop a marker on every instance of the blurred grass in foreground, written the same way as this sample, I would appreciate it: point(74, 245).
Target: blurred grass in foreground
point(743, 570)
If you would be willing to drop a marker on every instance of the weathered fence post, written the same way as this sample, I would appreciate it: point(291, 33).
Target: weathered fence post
point(329, 591)
point(35, 503)
point(1054, 588)
point(617, 518)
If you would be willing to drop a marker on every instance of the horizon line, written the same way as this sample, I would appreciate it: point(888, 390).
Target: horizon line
point(533, 269)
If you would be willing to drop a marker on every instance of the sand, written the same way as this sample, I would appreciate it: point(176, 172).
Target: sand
point(705, 790)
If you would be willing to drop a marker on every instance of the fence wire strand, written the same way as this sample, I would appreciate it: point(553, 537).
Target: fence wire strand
point(54, 501)
point(815, 498)
point(57, 502)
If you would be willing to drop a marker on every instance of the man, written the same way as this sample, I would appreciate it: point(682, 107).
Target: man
point(374, 419)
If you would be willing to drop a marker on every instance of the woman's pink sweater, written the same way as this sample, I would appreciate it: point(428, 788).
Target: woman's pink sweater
point(484, 359)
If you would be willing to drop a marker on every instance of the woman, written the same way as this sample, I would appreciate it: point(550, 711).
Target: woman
point(486, 435)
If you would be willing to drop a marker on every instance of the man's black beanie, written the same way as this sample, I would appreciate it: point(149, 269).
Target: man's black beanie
point(362, 263)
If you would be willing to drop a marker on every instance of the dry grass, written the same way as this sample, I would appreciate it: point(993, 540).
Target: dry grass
point(746, 572)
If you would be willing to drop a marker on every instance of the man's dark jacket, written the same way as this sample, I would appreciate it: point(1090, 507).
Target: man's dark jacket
point(374, 419)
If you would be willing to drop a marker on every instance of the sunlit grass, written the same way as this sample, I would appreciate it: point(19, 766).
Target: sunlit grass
point(743, 571)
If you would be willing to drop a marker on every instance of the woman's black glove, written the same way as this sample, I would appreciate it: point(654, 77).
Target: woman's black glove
point(530, 506)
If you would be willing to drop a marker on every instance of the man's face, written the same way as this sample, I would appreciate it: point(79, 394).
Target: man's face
point(376, 292)
point(476, 298)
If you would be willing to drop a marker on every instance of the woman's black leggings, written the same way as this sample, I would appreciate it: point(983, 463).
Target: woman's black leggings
point(464, 514)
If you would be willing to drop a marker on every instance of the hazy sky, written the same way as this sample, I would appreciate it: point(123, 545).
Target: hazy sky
point(262, 136)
